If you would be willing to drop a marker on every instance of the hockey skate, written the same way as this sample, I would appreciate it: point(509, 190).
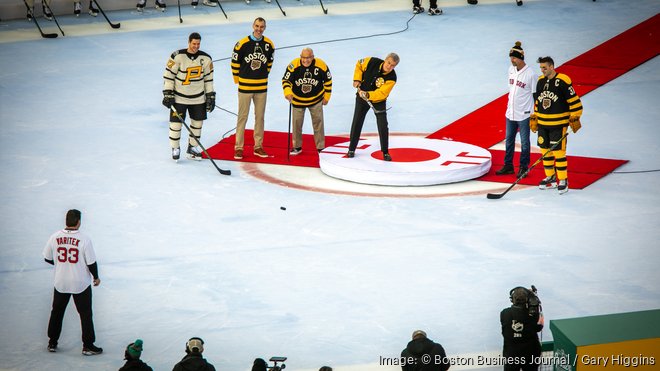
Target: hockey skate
point(472, 2)
point(47, 14)
point(519, 2)
point(160, 5)
point(562, 186)
point(93, 11)
point(549, 182)
point(91, 350)
point(140, 5)
point(29, 15)
point(209, 3)
point(176, 153)
point(194, 153)
point(77, 8)
point(247, 2)
point(194, 3)
point(435, 11)
point(418, 9)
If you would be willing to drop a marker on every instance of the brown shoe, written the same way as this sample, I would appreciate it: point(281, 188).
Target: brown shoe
point(260, 152)
point(238, 154)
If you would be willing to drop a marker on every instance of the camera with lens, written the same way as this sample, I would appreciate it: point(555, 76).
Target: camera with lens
point(527, 298)
point(275, 366)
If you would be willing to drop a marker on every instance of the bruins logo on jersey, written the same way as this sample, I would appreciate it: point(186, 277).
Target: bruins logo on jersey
point(379, 82)
point(306, 88)
point(546, 103)
point(541, 140)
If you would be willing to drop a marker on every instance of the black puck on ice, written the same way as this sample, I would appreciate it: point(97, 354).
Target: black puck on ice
point(282, 208)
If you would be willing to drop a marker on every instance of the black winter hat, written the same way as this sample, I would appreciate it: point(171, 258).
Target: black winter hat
point(517, 51)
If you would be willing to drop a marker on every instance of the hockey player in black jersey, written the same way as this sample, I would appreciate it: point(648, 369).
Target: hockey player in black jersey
point(556, 107)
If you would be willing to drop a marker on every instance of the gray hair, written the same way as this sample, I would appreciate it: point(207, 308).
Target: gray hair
point(394, 56)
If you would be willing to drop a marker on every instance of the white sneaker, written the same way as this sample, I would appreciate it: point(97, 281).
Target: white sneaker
point(296, 151)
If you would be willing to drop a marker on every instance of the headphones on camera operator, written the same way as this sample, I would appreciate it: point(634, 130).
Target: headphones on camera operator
point(526, 298)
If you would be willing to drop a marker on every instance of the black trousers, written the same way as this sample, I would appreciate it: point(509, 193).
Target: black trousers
point(83, 303)
point(361, 110)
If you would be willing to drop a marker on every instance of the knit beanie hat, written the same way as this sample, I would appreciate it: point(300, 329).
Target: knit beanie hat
point(135, 349)
point(517, 51)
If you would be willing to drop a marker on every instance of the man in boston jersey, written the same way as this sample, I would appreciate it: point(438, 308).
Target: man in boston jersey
point(188, 86)
point(307, 84)
point(556, 107)
point(374, 79)
point(251, 62)
point(72, 254)
point(520, 105)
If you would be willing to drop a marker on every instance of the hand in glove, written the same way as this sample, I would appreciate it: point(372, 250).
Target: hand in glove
point(574, 122)
point(533, 123)
point(168, 98)
point(210, 101)
point(363, 94)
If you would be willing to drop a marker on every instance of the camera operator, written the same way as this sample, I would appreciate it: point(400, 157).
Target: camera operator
point(520, 324)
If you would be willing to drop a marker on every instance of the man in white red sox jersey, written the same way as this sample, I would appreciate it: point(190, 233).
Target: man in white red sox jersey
point(520, 105)
point(72, 254)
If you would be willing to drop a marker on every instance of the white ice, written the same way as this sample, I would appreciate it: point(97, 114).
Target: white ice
point(336, 280)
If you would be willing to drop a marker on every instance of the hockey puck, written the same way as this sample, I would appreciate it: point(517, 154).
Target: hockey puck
point(282, 208)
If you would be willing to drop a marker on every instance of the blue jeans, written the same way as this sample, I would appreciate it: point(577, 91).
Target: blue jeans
point(512, 127)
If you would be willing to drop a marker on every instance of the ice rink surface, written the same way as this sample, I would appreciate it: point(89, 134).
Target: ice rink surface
point(335, 280)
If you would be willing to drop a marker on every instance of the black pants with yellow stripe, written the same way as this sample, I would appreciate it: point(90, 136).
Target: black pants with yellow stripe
point(554, 162)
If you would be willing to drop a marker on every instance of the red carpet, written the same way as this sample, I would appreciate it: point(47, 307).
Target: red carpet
point(598, 66)
point(582, 171)
point(275, 144)
point(485, 126)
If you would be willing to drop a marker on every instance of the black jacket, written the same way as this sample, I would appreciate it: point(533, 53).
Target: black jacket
point(519, 331)
point(135, 365)
point(435, 359)
point(193, 362)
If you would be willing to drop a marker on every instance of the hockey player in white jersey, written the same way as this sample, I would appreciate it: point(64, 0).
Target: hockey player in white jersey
point(188, 85)
point(72, 254)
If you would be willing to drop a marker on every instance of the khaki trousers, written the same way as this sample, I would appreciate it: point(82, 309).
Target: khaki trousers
point(297, 119)
point(244, 100)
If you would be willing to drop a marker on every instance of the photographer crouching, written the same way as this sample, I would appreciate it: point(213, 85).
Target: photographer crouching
point(520, 324)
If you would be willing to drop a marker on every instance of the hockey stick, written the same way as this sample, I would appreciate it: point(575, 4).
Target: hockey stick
point(113, 25)
point(178, 3)
point(288, 137)
point(45, 2)
point(497, 196)
point(221, 171)
point(376, 111)
point(223, 11)
point(325, 11)
point(278, 4)
point(34, 18)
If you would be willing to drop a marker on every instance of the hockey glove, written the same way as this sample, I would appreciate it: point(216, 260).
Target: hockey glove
point(574, 122)
point(364, 95)
point(533, 123)
point(210, 101)
point(168, 98)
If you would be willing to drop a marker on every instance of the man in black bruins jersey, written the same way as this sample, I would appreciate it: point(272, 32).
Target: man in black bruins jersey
point(556, 107)
point(307, 83)
point(188, 86)
point(251, 62)
point(374, 79)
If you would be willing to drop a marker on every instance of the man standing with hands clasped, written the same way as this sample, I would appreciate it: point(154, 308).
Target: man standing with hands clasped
point(72, 254)
point(520, 105)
